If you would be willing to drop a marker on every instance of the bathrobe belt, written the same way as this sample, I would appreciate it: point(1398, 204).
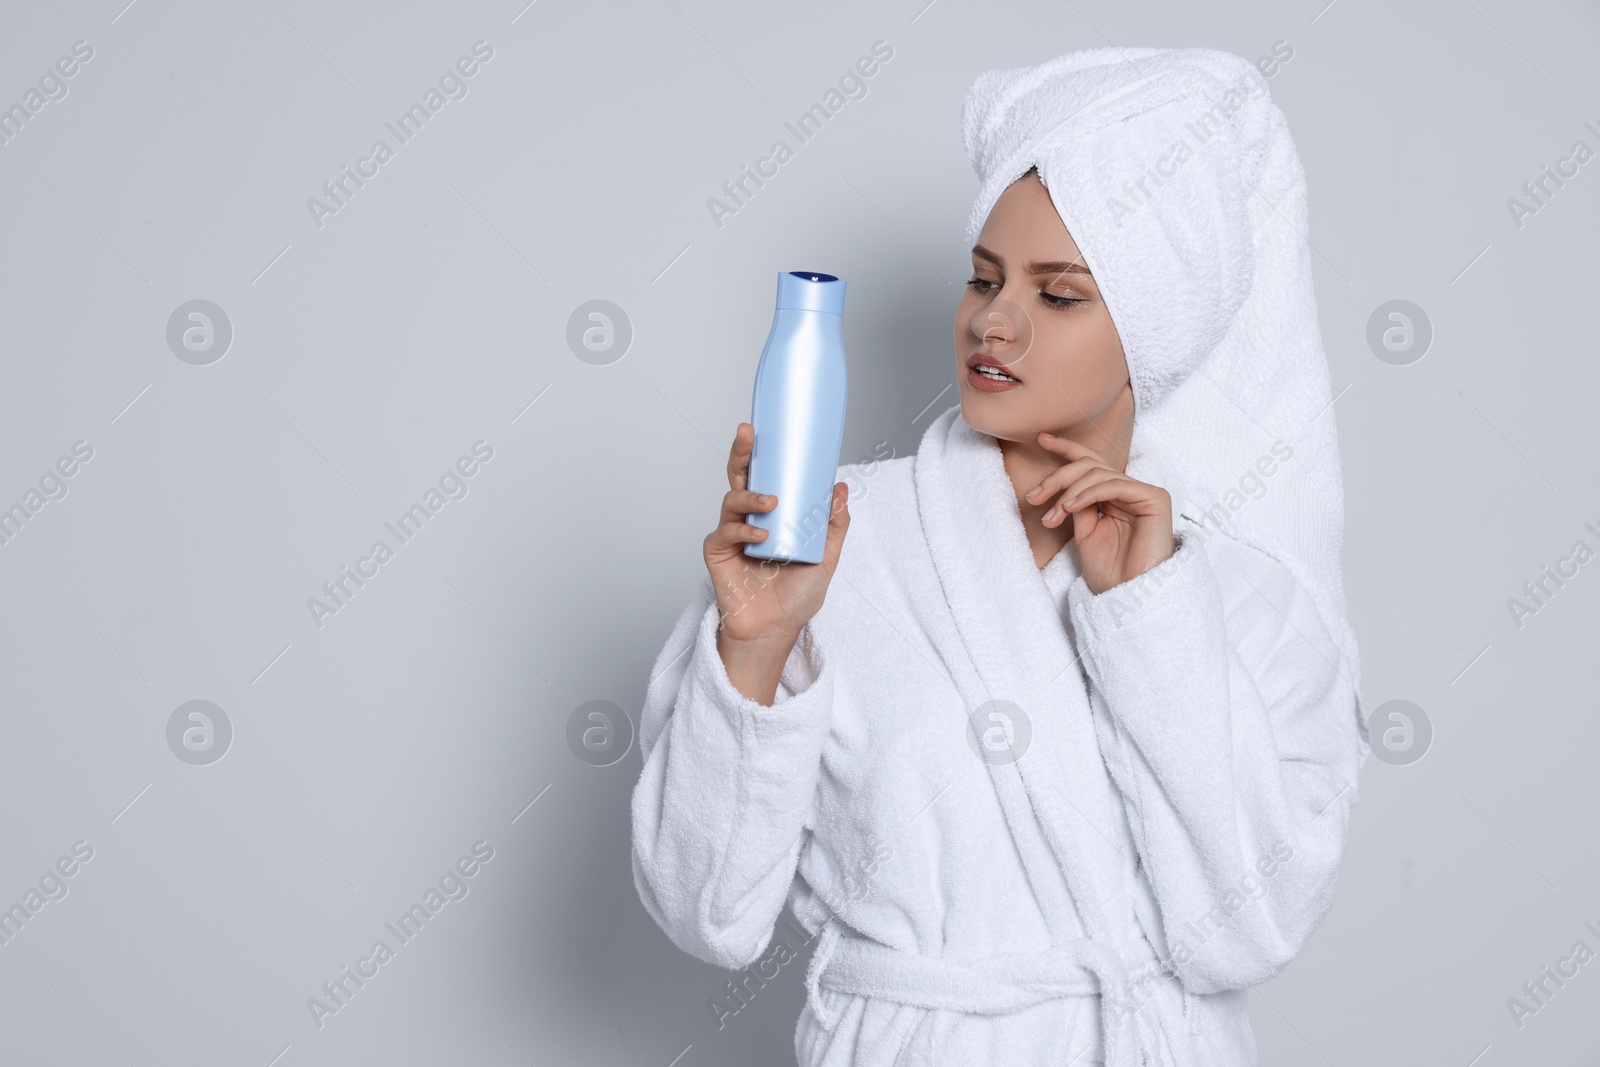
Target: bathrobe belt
point(849, 963)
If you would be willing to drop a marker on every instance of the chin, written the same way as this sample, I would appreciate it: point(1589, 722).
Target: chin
point(990, 415)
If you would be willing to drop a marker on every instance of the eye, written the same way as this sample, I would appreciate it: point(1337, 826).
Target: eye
point(1060, 301)
point(977, 284)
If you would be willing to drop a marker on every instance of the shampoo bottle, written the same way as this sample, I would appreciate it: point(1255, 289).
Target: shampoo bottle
point(798, 415)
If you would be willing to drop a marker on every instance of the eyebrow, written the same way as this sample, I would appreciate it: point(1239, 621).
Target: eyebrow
point(1035, 268)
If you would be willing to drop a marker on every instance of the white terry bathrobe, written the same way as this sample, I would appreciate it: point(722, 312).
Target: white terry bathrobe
point(1025, 823)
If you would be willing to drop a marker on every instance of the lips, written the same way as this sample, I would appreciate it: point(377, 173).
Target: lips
point(989, 374)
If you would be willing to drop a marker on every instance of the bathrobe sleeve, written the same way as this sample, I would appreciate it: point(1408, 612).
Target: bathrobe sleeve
point(1228, 720)
point(725, 796)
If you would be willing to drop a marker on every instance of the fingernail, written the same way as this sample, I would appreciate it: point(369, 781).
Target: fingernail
point(1071, 500)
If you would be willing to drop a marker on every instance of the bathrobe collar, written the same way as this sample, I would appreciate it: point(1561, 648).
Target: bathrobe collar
point(1016, 645)
point(1013, 643)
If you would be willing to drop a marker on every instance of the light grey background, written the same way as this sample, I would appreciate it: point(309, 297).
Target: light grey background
point(427, 314)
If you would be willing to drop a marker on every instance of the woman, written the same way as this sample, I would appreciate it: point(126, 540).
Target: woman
point(1057, 758)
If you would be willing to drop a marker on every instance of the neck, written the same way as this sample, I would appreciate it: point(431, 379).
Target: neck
point(1028, 463)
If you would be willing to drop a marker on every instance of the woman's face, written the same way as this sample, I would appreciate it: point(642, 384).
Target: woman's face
point(1032, 309)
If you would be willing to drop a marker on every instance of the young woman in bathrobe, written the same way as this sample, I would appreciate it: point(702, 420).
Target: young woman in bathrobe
point(1054, 754)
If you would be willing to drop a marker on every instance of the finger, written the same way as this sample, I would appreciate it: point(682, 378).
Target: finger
point(1139, 497)
point(838, 525)
point(1083, 523)
point(729, 534)
point(1066, 446)
point(744, 442)
point(1074, 489)
point(1059, 479)
point(737, 503)
point(1135, 496)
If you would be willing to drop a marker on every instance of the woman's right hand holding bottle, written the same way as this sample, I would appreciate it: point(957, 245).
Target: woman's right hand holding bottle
point(763, 604)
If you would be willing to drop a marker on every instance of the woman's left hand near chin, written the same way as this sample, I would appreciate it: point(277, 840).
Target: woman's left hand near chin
point(1122, 526)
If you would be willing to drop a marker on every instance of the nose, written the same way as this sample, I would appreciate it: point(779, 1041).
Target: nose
point(1001, 325)
point(996, 323)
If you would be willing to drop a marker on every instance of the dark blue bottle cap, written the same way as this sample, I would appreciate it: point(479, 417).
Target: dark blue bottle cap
point(809, 290)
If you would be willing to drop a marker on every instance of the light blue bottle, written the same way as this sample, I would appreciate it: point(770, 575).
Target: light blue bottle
point(798, 415)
